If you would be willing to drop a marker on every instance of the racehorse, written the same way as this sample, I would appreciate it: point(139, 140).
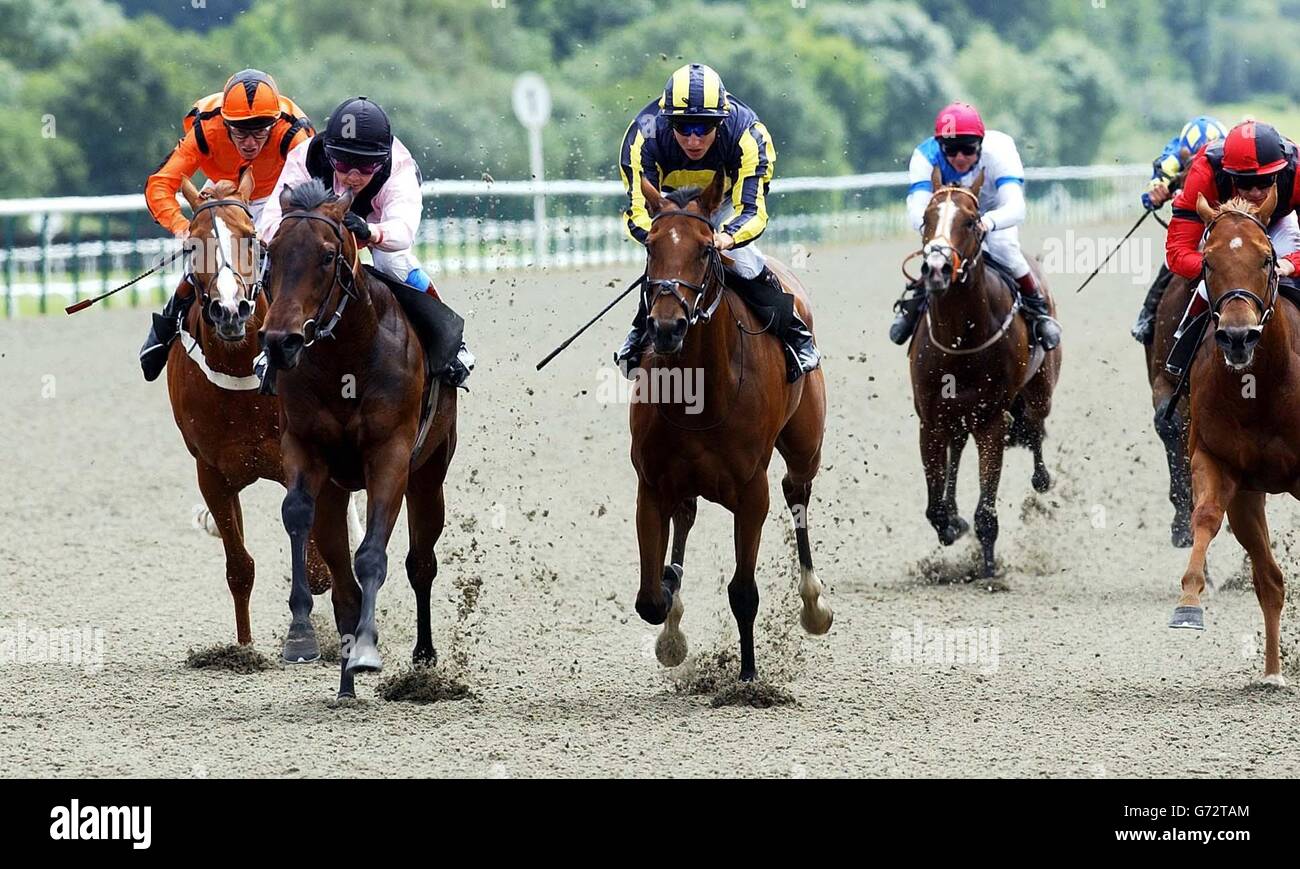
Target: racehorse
point(1171, 423)
point(974, 368)
point(232, 431)
point(718, 449)
point(352, 414)
point(1245, 410)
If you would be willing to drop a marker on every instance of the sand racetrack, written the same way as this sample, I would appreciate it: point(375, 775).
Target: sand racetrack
point(533, 607)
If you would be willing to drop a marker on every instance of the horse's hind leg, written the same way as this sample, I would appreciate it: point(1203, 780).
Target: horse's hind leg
point(1173, 434)
point(991, 442)
point(330, 527)
point(1250, 525)
point(742, 591)
point(223, 503)
point(670, 647)
point(426, 515)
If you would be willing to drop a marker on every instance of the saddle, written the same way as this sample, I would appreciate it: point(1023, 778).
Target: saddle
point(440, 331)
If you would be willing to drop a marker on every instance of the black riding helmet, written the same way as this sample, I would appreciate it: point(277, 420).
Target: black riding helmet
point(358, 127)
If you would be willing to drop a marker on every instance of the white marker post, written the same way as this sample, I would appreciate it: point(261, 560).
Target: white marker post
point(532, 104)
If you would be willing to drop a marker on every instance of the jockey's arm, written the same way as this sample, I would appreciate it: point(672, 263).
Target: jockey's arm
point(749, 193)
point(1010, 208)
point(294, 173)
point(161, 188)
point(398, 207)
point(920, 190)
point(1004, 169)
point(637, 161)
point(1183, 241)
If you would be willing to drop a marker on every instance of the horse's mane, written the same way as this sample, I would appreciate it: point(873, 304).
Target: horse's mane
point(310, 195)
point(1239, 205)
point(684, 196)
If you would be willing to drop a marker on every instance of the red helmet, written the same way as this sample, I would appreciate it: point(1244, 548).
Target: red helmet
point(958, 119)
point(1253, 148)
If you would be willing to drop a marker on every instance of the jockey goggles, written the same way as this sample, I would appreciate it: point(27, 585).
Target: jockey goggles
point(1253, 182)
point(345, 163)
point(968, 147)
point(691, 127)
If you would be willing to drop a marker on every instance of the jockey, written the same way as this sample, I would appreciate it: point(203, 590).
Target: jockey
point(960, 149)
point(683, 139)
point(1166, 178)
point(359, 152)
point(248, 126)
point(1250, 161)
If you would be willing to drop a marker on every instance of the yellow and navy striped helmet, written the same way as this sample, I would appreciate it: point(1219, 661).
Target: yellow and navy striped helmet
point(1200, 132)
point(695, 91)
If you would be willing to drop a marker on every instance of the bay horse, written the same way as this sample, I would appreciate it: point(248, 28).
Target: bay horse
point(351, 414)
point(232, 431)
point(718, 449)
point(1171, 423)
point(973, 369)
point(1245, 410)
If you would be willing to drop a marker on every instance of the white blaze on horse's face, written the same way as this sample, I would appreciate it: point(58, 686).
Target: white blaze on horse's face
point(935, 256)
point(227, 289)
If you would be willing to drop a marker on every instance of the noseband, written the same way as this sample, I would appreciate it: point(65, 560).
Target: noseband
point(656, 288)
point(346, 280)
point(1264, 308)
point(252, 291)
point(961, 267)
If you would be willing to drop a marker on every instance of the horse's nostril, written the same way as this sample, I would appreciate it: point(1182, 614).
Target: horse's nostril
point(679, 326)
point(245, 309)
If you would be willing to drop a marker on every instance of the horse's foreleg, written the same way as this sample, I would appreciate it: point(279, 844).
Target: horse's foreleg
point(654, 599)
point(934, 461)
point(330, 528)
point(223, 503)
point(1250, 525)
point(816, 615)
point(670, 647)
point(306, 474)
point(957, 526)
point(1215, 489)
point(387, 469)
point(1173, 434)
point(751, 511)
point(991, 442)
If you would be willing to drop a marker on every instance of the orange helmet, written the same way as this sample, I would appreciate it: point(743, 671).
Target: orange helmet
point(250, 100)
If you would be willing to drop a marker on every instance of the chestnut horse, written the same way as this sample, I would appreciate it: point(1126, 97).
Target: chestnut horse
point(1171, 423)
point(974, 369)
point(1245, 419)
point(351, 418)
point(232, 431)
point(720, 447)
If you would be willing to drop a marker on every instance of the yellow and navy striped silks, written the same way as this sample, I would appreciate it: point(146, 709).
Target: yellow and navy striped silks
point(743, 152)
point(694, 90)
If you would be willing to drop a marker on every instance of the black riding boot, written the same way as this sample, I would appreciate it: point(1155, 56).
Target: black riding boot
point(1144, 330)
point(1041, 322)
point(909, 306)
point(165, 327)
point(774, 305)
point(628, 357)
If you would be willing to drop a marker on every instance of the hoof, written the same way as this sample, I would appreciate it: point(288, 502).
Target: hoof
point(1042, 481)
point(654, 612)
point(427, 657)
point(1273, 680)
point(365, 657)
point(1188, 618)
point(300, 646)
point(816, 618)
point(670, 647)
point(749, 675)
point(347, 695)
point(956, 527)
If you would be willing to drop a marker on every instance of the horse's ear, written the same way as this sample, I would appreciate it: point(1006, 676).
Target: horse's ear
point(711, 198)
point(191, 193)
point(1265, 210)
point(979, 182)
point(936, 180)
point(654, 203)
point(246, 185)
point(1203, 208)
point(342, 204)
point(286, 199)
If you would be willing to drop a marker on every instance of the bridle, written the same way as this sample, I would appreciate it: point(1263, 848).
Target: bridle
point(656, 288)
point(962, 267)
point(1264, 308)
point(346, 280)
point(251, 291)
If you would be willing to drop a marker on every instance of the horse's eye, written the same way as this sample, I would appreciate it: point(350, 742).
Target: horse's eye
point(328, 258)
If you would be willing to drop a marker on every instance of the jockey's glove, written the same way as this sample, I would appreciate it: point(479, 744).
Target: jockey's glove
point(357, 225)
